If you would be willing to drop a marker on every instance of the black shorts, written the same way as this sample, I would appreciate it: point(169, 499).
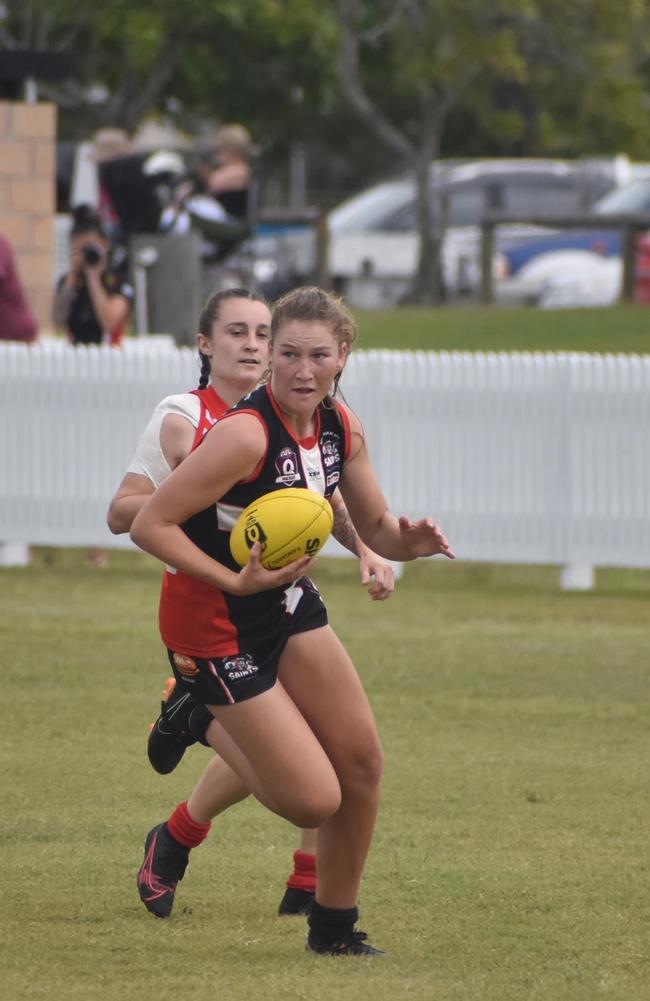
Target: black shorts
point(223, 681)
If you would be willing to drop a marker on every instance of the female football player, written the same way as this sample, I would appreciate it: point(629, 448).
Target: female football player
point(233, 345)
point(292, 719)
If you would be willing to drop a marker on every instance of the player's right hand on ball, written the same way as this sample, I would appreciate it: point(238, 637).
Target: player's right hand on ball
point(254, 577)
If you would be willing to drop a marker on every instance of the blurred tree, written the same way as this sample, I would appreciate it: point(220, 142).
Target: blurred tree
point(560, 75)
point(404, 65)
point(427, 77)
point(266, 63)
point(583, 90)
point(127, 53)
point(251, 60)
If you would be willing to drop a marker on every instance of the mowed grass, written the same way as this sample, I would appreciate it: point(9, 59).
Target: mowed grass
point(511, 856)
point(615, 329)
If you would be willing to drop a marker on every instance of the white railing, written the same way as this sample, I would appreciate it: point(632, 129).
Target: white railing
point(535, 458)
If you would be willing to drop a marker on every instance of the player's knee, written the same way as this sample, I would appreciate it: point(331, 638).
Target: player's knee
point(316, 806)
point(364, 766)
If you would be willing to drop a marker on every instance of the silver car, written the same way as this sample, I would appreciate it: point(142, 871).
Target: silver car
point(373, 238)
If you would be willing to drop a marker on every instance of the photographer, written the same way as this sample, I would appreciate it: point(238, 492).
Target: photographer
point(92, 301)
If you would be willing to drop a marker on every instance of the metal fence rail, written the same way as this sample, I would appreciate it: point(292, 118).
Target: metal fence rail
point(541, 458)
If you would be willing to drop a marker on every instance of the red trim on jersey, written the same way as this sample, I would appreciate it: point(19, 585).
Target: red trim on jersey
point(213, 409)
point(306, 443)
point(258, 467)
point(345, 417)
point(212, 400)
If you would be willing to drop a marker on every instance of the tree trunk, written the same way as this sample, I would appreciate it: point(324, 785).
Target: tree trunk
point(427, 287)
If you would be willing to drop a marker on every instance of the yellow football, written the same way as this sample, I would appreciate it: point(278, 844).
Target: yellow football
point(287, 523)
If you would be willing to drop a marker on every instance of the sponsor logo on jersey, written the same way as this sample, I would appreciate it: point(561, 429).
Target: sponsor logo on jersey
point(240, 667)
point(185, 665)
point(286, 465)
point(331, 454)
point(332, 478)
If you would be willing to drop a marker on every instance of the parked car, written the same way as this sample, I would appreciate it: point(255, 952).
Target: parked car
point(374, 240)
point(575, 266)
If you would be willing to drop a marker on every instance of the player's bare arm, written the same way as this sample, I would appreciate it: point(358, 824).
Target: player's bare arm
point(176, 438)
point(371, 565)
point(229, 453)
point(129, 497)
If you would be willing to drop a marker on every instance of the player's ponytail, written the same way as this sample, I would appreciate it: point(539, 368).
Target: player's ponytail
point(206, 368)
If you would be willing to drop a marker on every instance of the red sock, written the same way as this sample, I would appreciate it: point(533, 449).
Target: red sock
point(303, 876)
point(184, 829)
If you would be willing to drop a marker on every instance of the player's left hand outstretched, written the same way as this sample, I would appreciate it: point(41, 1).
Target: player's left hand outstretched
point(425, 538)
point(383, 584)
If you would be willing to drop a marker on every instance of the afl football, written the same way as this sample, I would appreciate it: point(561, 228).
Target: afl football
point(287, 523)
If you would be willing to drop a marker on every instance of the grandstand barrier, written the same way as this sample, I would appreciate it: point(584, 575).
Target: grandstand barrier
point(523, 458)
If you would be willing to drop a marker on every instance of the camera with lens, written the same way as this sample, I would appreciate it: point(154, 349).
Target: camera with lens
point(92, 254)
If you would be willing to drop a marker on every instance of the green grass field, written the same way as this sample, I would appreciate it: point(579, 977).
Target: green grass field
point(511, 857)
point(620, 328)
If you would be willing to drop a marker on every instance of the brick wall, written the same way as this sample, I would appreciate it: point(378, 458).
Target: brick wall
point(28, 198)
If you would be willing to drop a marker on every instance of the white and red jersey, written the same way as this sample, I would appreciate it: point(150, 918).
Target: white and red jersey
point(199, 620)
point(202, 408)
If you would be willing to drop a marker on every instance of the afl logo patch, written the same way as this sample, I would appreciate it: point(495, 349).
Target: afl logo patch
point(185, 665)
point(286, 464)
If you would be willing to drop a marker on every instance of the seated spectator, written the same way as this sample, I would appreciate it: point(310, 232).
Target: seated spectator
point(17, 322)
point(93, 301)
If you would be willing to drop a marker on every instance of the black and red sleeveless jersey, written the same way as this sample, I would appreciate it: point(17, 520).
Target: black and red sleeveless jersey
point(202, 621)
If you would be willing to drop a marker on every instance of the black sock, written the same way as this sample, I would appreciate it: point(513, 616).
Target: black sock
point(331, 924)
point(198, 722)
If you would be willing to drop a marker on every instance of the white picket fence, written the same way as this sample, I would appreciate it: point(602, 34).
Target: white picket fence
point(523, 458)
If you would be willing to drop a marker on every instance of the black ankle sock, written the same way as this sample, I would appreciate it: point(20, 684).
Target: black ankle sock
point(332, 923)
point(198, 722)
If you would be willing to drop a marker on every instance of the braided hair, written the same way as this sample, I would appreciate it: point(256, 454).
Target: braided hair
point(209, 314)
